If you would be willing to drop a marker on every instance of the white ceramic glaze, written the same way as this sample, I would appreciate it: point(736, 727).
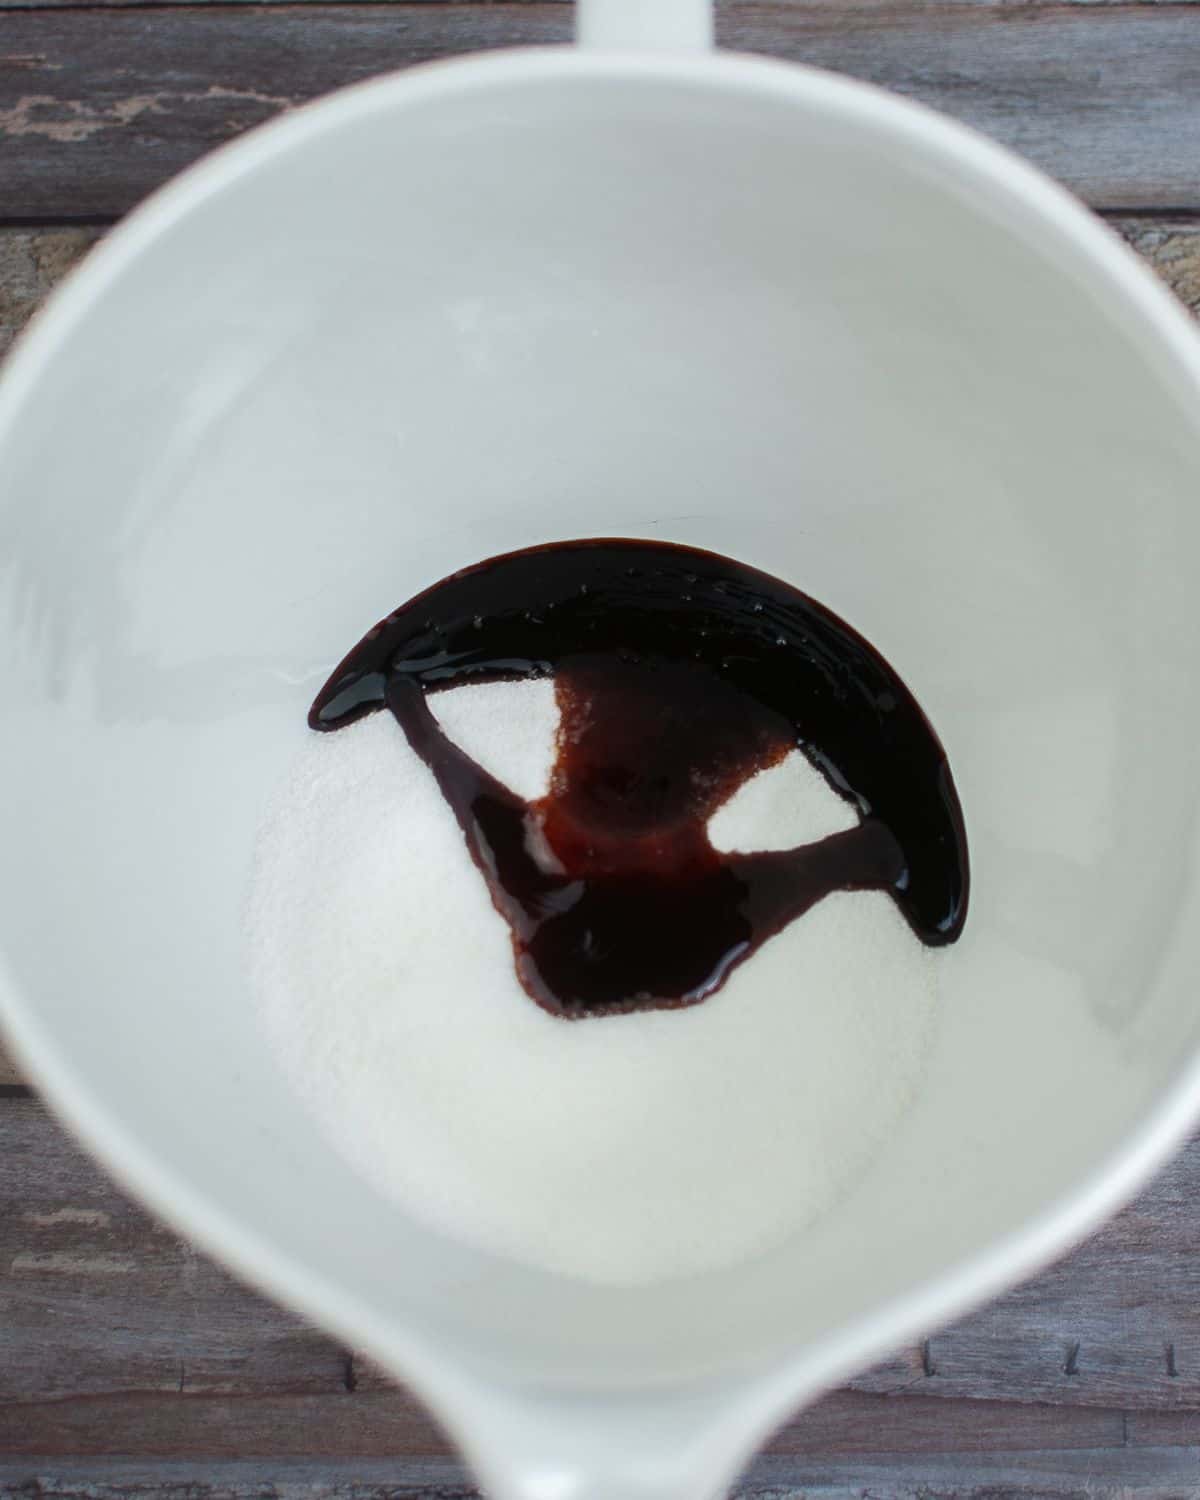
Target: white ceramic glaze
point(564, 293)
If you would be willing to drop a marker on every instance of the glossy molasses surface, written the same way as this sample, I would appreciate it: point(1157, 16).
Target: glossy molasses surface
point(678, 674)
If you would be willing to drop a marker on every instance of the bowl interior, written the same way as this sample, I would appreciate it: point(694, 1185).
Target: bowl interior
point(443, 319)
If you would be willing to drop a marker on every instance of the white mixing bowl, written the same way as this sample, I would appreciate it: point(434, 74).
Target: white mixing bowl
point(558, 294)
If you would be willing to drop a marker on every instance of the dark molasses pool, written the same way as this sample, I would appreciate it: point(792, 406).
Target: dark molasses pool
point(678, 675)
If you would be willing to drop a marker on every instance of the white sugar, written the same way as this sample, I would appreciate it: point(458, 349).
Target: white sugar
point(621, 1149)
point(788, 805)
point(508, 727)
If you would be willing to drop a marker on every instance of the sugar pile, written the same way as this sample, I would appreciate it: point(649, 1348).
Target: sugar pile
point(620, 1149)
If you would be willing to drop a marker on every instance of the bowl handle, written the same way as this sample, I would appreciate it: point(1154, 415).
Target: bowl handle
point(670, 1444)
point(645, 25)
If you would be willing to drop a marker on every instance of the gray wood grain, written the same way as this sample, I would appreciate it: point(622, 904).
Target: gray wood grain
point(725, 9)
point(99, 105)
point(1174, 252)
point(32, 262)
point(340, 1425)
point(96, 1298)
point(97, 1301)
point(1122, 1474)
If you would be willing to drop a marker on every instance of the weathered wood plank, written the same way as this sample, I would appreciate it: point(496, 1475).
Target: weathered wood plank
point(32, 262)
point(99, 106)
point(1174, 252)
point(336, 1425)
point(381, 1424)
point(104, 104)
point(1163, 1429)
point(8, 1069)
point(261, 1479)
point(95, 1297)
point(1119, 1474)
point(97, 1300)
point(724, 8)
point(1075, 89)
point(1114, 1323)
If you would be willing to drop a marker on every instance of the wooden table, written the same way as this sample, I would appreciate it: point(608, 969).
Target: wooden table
point(129, 1364)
